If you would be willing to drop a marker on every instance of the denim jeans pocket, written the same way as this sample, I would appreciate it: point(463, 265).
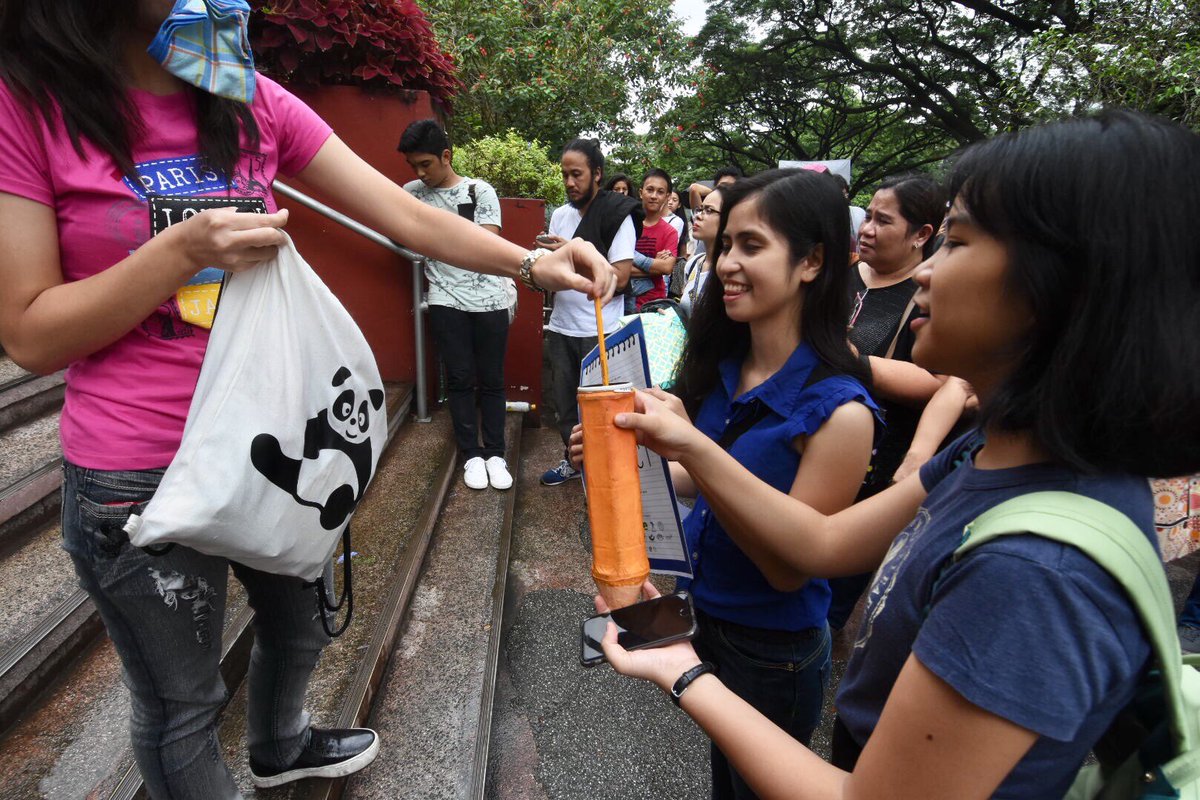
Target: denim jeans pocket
point(94, 526)
point(104, 523)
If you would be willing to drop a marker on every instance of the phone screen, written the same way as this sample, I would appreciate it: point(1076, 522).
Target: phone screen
point(654, 622)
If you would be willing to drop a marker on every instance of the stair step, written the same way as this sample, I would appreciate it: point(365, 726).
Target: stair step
point(9, 371)
point(30, 477)
point(38, 576)
point(439, 685)
point(25, 398)
point(562, 731)
point(390, 534)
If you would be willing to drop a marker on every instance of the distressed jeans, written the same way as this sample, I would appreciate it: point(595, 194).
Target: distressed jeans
point(165, 615)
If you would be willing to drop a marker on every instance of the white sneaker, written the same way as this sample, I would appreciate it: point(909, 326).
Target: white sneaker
point(497, 472)
point(475, 474)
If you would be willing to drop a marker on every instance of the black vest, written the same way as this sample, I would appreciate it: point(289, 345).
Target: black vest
point(605, 216)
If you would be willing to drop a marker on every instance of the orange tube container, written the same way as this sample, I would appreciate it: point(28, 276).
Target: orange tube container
point(614, 494)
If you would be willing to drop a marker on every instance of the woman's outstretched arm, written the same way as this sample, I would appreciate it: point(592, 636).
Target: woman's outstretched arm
point(362, 192)
point(808, 542)
point(930, 743)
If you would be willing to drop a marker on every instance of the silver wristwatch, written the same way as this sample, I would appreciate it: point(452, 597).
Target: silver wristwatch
point(526, 274)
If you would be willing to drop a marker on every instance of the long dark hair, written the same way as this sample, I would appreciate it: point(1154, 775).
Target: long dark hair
point(807, 209)
point(1096, 217)
point(682, 212)
point(70, 54)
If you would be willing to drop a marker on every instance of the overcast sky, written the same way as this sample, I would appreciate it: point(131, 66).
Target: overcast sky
point(691, 13)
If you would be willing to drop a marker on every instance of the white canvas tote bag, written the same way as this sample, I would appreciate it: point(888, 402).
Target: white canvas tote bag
point(284, 432)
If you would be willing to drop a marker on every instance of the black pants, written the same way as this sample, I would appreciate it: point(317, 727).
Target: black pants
point(565, 354)
point(472, 344)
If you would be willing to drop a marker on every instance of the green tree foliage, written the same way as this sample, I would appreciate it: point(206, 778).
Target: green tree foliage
point(899, 84)
point(550, 69)
point(1137, 55)
point(754, 102)
point(513, 166)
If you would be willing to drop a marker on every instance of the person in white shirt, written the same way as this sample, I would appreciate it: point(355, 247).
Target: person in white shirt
point(602, 218)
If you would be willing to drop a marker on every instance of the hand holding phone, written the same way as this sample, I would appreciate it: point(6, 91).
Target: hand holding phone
point(653, 623)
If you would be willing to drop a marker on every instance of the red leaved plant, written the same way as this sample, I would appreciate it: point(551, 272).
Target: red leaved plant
point(380, 44)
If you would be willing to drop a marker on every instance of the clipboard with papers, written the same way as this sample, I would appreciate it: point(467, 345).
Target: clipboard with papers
point(628, 362)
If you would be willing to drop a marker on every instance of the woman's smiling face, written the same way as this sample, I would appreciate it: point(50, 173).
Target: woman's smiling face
point(760, 276)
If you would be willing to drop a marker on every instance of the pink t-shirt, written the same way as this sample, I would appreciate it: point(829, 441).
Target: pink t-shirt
point(126, 404)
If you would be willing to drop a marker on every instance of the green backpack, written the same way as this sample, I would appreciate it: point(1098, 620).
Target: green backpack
point(1165, 713)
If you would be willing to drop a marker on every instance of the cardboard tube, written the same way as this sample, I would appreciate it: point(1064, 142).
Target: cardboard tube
point(614, 495)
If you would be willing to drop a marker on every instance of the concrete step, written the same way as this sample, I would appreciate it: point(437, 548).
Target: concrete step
point(37, 577)
point(562, 731)
point(391, 531)
point(434, 709)
point(28, 396)
point(30, 477)
point(9, 371)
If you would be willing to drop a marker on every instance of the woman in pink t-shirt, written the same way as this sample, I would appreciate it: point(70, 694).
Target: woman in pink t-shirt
point(88, 288)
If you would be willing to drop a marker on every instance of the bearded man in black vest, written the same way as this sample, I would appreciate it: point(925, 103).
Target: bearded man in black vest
point(607, 220)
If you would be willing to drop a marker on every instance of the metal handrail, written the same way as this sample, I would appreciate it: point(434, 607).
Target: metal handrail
point(418, 262)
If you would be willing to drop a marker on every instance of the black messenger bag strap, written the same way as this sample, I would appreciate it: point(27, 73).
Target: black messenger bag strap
point(759, 409)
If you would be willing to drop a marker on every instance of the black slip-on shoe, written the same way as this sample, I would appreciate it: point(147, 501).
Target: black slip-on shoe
point(329, 754)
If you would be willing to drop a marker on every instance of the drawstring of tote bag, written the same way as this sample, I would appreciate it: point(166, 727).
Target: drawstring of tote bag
point(324, 607)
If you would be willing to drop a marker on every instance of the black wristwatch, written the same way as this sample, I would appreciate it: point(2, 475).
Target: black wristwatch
point(685, 680)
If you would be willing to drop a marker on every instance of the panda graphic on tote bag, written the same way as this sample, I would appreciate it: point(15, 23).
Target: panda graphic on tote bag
point(336, 453)
point(290, 404)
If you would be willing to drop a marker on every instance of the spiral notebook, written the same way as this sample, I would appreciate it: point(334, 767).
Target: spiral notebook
point(628, 363)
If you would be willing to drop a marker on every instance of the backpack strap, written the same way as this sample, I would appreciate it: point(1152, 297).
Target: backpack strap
point(1114, 542)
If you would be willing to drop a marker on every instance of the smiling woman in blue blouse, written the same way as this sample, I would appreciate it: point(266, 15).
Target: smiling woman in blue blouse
point(768, 374)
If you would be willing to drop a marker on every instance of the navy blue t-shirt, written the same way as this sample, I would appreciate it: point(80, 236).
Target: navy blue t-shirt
point(1025, 628)
point(727, 584)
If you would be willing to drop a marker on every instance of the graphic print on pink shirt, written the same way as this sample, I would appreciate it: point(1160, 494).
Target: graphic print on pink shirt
point(126, 404)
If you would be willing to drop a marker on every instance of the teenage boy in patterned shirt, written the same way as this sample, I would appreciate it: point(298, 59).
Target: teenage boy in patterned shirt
point(468, 311)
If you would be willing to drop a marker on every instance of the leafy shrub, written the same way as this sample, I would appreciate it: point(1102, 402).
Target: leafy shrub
point(514, 166)
point(382, 44)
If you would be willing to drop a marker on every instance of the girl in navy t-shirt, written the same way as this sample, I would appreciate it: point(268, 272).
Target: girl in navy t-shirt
point(1068, 247)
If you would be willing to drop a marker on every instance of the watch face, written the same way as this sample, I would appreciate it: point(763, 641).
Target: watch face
point(526, 275)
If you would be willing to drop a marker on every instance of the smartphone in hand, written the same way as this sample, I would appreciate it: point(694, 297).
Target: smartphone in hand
point(653, 623)
point(545, 238)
